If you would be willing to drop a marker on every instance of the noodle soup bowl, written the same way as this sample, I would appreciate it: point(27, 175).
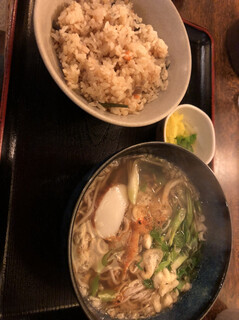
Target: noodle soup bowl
point(215, 250)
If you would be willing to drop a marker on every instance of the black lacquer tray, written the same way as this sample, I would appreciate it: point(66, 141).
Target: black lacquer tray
point(48, 145)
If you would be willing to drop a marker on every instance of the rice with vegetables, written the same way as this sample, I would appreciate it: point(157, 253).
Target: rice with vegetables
point(109, 56)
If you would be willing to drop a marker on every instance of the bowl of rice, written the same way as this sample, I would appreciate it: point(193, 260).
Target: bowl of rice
point(127, 63)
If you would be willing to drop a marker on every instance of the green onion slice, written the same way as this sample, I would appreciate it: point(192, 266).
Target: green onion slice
point(113, 105)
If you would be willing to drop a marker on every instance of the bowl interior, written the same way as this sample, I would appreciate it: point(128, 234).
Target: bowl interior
point(216, 251)
point(166, 20)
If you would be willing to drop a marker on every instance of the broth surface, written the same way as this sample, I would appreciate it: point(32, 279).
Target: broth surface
point(137, 237)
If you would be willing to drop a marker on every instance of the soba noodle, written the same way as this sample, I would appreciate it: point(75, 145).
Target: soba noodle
point(152, 258)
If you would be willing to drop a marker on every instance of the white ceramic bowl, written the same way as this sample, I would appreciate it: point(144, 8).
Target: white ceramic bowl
point(202, 125)
point(165, 19)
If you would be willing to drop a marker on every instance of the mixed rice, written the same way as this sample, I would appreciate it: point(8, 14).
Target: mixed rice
point(109, 56)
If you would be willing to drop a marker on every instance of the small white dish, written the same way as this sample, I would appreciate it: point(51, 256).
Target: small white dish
point(200, 124)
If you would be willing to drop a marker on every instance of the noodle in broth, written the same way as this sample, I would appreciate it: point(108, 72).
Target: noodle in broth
point(137, 237)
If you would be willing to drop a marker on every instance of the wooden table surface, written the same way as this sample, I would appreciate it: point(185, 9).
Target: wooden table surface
point(217, 16)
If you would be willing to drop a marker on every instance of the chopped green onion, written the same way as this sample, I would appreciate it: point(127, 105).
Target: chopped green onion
point(181, 285)
point(175, 224)
point(138, 264)
point(181, 271)
point(99, 267)
point(113, 105)
point(133, 182)
point(186, 142)
point(162, 265)
point(168, 258)
point(148, 283)
point(158, 240)
point(193, 245)
point(105, 260)
point(94, 285)
point(187, 232)
point(107, 295)
point(179, 261)
point(156, 235)
point(189, 217)
point(179, 240)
